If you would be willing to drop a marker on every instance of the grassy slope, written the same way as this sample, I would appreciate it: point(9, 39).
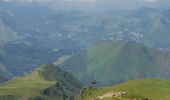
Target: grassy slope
point(47, 82)
point(153, 89)
point(111, 62)
point(29, 85)
point(61, 60)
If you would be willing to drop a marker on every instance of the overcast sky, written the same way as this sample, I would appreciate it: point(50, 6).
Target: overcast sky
point(100, 4)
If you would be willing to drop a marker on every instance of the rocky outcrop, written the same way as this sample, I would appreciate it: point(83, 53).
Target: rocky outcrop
point(110, 95)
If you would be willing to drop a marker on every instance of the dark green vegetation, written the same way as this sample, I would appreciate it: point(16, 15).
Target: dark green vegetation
point(146, 89)
point(2, 79)
point(45, 83)
point(111, 62)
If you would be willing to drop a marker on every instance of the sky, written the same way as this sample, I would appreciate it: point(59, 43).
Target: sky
point(99, 4)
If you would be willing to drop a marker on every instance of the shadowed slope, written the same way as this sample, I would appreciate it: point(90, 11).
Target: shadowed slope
point(38, 85)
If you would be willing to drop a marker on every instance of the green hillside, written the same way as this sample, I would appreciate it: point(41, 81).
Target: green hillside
point(146, 89)
point(111, 62)
point(45, 83)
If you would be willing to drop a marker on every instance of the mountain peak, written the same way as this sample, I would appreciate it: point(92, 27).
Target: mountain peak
point(47, 81)
point(118, 61)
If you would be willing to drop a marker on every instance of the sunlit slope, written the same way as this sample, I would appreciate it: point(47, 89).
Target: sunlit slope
point(38, 85)
point(146, 89)
point(110, 62)
point(31, 84)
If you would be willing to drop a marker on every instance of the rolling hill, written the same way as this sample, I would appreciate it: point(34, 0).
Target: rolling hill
point(44, 83)
point(145, 89)
point(112, 62)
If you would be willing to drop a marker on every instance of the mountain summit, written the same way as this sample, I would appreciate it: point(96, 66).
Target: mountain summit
point(111, 62)
point(47, 82)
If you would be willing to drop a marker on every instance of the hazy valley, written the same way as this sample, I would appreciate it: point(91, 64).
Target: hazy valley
point(54, 54)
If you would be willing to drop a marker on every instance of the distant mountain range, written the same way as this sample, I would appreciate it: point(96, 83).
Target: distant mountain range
point(40, 26)
point(112, 62)
point(20, 58)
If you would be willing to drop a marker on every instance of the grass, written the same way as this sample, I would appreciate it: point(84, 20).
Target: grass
point(112, 62)
point(153, 89)
point(48, 82)
point(30, 85)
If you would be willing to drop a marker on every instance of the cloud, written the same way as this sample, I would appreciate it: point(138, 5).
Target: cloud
point(106, 1)
point(99, 4)
point(148, 1)
point(28, 1)
point(81, 0)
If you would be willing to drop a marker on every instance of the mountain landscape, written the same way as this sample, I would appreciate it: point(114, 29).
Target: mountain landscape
point(47, 82)
point(32, 22)
point(84, 50)
point(13, 56)
point(112, 62)
point(146, 89)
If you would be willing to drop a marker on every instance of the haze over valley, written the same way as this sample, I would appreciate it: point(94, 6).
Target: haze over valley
point(84, 49)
